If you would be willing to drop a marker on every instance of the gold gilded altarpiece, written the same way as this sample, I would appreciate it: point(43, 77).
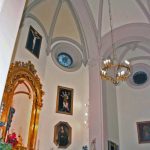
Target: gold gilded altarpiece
point(23, 72)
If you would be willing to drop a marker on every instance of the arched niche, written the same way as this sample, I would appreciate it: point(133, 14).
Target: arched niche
point(23, 73)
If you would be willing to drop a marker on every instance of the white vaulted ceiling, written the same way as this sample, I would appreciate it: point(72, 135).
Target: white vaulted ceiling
point(123, 12)
point(61, 21)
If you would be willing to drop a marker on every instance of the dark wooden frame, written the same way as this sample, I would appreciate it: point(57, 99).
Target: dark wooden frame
point(60, 100)
point(68, 130)
point(143, 129)
point(38, 41)
point(112, 146)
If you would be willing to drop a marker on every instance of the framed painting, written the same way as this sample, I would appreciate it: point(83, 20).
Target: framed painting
point(34, 41)
point(64, 102)
point(112, 146)
point(143, 129)
point(62, 134)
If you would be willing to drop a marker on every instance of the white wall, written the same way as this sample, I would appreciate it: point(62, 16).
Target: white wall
point(22, 54)
point(133, 106)
point(111, 112)
point(51, 76)
point(49, 118)
point(10, 16)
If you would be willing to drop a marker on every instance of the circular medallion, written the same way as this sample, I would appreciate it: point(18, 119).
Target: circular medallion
point(66, 56)
point(140, 77)
point(64, 59)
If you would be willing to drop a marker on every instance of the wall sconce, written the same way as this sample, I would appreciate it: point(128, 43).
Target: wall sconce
point(86, 114)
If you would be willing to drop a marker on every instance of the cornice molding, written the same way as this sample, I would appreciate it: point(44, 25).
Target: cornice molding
point(71, 41)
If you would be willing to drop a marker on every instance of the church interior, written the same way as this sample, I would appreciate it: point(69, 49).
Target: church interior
point(75, 75)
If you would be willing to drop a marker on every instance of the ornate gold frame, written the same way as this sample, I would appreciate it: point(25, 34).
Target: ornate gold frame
point(20, 72)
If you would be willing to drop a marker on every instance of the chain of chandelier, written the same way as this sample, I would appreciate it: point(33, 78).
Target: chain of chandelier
point(112, 70)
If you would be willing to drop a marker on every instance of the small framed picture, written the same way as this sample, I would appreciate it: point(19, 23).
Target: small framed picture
point(112, 146)
point(143, 129)
point(64, 102)
point(62, 134)
point(34, 41)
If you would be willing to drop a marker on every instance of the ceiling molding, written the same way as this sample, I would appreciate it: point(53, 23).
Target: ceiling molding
point(124, 53)
point(80, 30)
point(148, 4)
point(67, 39)
point(144, 48)
point(88, 29)
point(136, 45)
point(51, 30)
point(32, 5)
point(91, 18)
point(132, 46)
point(77, 22)
point(133, 32)
point(135, 59)
point(144, 9)
point(52, 26)
point(73, 42)
point(100, 14)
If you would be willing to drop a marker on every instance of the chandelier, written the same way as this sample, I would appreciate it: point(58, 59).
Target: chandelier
point(112, 70)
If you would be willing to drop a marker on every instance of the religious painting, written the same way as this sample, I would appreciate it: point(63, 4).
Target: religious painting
point(112, 146)
point(34, 41)
point(62, 134)
point(143, 129)
point(64, 102)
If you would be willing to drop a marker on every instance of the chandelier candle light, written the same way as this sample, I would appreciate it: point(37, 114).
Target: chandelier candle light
point(112, 70)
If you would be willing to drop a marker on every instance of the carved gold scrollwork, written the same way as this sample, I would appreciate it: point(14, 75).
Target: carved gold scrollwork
point(24, 72)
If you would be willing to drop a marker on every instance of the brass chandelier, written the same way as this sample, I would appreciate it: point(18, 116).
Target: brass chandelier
point(112, 70)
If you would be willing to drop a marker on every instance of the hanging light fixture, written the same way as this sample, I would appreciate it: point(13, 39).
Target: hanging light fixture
point(111, 69)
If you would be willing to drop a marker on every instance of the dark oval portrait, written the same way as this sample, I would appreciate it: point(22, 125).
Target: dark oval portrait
point(62, 134)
